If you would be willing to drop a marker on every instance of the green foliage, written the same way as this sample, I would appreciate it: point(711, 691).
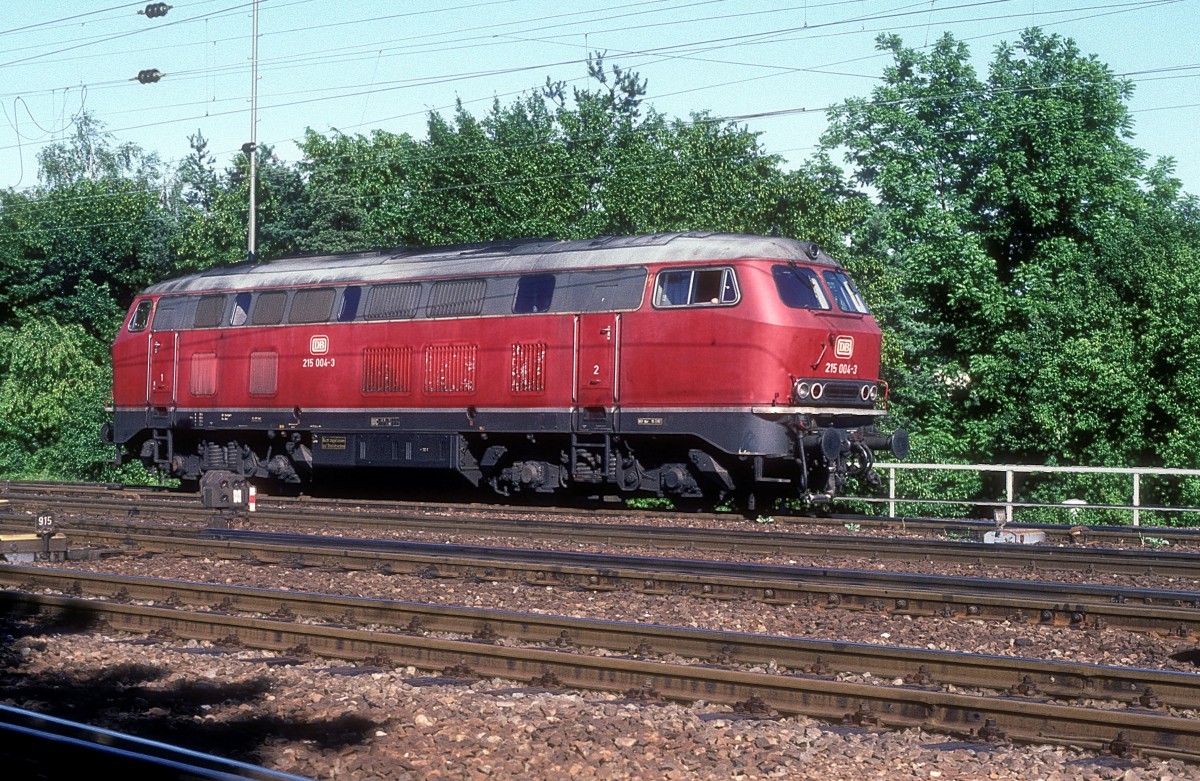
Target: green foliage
point(52, 396)
point(78, 250)
point(1036, 280)
point(649, 503)
point(548, 165)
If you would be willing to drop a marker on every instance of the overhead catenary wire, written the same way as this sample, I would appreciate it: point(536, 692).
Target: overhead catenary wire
point(427, 155)
point(482, 74)
point(508, 182)
point(678, 49)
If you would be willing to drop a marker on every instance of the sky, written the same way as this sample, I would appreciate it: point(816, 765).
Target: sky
point(356, 66)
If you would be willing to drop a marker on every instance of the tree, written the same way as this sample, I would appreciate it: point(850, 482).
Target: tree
point(1012, 221)
point(81, 245)
point(76, 249)
point(54, 383)
point(594, 162)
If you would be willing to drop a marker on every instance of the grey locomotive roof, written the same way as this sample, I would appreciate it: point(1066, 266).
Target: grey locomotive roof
point(502, 257)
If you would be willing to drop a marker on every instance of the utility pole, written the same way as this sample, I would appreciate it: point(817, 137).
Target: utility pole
point(252, 147)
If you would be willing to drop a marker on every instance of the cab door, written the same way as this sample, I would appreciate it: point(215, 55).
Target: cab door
point(597, 337)
point(163, 349)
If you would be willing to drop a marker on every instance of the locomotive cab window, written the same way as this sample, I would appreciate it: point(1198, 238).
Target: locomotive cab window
point(141, 316)
point(845, 293)
point(534, 294)
point(696, 287)
point(799, 287)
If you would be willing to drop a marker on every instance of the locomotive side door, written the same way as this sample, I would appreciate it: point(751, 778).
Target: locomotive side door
point(597, 336)
point(163, 363)
point(163, 349)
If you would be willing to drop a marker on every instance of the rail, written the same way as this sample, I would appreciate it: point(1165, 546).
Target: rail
point(34, 745)
point(1004, 508)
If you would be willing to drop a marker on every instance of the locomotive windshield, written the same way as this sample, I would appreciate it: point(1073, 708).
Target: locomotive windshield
point(799, 287)
point(141, 317)
point(845, 293)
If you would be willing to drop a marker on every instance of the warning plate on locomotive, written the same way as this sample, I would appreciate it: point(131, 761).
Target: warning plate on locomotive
point(328, 442)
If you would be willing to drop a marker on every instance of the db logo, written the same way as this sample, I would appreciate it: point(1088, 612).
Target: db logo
point(843, 347)
point(318, 345)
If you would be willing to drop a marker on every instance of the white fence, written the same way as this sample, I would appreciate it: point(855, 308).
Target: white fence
point(1004, 509)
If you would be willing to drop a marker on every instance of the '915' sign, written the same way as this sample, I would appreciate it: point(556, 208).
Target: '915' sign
point(43, 523)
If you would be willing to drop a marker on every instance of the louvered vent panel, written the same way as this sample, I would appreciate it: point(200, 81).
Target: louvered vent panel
point(450, 368)
point(456, 298)
point(393, 302)
point(387, 370)
point(204, 374)
point(264, 373)
point(529, 368)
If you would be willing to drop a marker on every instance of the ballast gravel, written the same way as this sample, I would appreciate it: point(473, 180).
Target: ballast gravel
point(329, 720)
point(332, 722)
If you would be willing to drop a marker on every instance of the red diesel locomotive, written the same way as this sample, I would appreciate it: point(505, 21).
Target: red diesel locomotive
point(683, 365)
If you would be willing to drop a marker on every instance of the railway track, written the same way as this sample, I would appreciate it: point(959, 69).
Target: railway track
point(1125, 732)
point(1131, 711)
point(1139, 688)
point(80, 515)
point(917, 595)
point(152, 502)
point(37, 746)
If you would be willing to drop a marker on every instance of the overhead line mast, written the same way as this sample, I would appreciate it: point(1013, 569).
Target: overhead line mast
point(251, 149)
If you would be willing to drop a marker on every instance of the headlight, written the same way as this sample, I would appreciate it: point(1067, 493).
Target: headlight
point(817, 390)
point(801, 390)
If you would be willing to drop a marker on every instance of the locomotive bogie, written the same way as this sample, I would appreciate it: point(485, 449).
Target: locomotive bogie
point(679, 365)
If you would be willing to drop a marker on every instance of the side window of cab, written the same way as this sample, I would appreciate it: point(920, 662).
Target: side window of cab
point(696, 287)
point(141, 315)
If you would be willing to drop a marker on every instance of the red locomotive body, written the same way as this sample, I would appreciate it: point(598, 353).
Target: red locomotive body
point(687, 365)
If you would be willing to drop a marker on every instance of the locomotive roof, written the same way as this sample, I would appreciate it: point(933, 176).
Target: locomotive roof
point(497, 257)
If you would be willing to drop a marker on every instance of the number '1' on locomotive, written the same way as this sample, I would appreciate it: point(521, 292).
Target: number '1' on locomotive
point(692, 366)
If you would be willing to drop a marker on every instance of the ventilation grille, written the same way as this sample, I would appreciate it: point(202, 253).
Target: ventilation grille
point(456, 298)
point(393, 302)
point(450, 368)
point(387, 370)
point(264, 372)
point(204, 374)
point(529, 368)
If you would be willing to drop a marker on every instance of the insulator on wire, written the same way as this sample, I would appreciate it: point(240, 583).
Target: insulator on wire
point(149, 76)
point(153, 10)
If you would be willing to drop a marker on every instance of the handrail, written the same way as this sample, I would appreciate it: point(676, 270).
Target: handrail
point(1135, 507)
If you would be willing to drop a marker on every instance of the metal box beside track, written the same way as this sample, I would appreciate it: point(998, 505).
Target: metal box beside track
point(28, 548)
point(223, 490)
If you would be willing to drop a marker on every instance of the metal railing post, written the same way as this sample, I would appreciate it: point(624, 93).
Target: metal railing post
point(892, 492)
point(1137, 499)
point(1008, 489)
point(1004, 508)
